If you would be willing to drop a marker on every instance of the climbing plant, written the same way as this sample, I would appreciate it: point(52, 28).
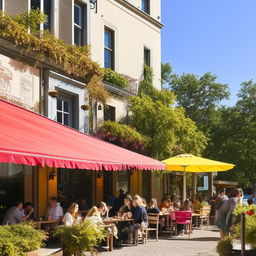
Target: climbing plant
point(74, 60)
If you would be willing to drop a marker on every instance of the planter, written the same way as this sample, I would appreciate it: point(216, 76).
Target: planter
point(249, 251)
point(33, 253)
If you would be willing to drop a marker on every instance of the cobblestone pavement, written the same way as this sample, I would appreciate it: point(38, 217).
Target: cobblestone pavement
point(201, 243)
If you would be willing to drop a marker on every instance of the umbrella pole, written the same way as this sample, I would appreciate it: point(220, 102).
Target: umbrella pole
point(184, 186)
point(194, 183)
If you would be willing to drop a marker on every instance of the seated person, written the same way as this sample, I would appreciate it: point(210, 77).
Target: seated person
point(27, 209)
point(96, 212)
point(140, 218)
point(186, 206)
point(15, 214)
point(126, 209)
point(196, 203)
point(83, 204)
point(152, 206)
point(54, 211)
point(175, 202)
point(71, 216)
point(166, 205)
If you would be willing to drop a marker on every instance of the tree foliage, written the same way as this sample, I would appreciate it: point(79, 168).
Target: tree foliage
point(199, 96)
point(166, 74)
point(165, 127)
point(233, 138)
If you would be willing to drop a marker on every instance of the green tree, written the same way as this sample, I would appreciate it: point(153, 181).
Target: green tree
point(165, 126)
point(200, 97)
point(166, 74)
point(234, 137)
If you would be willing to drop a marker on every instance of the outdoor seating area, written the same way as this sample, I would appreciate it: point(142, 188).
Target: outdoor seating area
point(134, 223)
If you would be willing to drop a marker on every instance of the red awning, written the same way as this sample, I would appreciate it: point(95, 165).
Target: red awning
point(31, 139)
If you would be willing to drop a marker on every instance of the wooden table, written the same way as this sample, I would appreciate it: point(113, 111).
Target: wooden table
point(40, 222)
point(116, 220)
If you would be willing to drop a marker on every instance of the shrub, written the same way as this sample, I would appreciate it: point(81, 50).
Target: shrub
point(224, 246)
point(122, 135)
point(81, 237)
point(114, 78)
point(18, 239)
point(250, 223)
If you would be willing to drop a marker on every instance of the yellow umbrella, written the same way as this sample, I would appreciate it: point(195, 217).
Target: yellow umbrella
point(190, 163)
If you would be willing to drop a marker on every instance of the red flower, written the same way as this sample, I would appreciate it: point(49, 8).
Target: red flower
point(249, 213)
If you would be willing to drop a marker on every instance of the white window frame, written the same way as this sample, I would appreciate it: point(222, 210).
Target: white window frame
point(78, 26)
point(112, 50)
point(42, 10)
point(63, 112)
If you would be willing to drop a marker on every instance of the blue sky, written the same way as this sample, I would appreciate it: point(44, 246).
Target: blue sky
point(211, 35)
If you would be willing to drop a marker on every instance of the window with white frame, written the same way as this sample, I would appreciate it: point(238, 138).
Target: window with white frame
point(79, 28)
point(145, 6)
point(109, 54)
point(45, 7)
point(64, 111)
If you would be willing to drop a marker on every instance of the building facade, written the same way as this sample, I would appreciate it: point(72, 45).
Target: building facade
point(123, 36)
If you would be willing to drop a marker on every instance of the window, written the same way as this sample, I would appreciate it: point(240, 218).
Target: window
point(45, 7)
point(64, 111)
point(79, 34)
point(110, 114)
point(1, 5)
point(145, 6)
point(47, 11)
point(147, 56)
point(109, 48)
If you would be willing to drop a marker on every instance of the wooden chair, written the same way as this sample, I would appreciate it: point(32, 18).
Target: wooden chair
point(153, 222)
point(205, 215)
point(181, 217)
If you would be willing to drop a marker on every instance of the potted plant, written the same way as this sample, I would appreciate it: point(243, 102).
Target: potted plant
point(79, 238)
point(20, 239)
point(224, 246)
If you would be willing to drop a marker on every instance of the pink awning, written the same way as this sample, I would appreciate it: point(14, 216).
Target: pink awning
point(31, 139)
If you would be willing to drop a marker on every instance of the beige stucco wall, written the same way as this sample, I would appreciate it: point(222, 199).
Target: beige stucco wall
point(155, 7)
point(132, 34)
point(121, 109)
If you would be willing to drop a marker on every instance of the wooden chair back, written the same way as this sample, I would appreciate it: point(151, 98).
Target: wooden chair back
point(206, 210)
point(153, 219)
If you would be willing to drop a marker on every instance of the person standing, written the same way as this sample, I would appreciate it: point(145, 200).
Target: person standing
point(14, 214)
point(224, 217)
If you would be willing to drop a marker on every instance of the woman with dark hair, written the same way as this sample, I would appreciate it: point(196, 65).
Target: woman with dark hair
point(224, 217)
point(126, 209)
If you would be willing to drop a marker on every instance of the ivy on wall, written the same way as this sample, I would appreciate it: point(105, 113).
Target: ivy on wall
point(72, 59)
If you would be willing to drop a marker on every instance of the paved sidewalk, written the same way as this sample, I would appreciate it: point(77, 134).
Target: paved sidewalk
point(201, 243)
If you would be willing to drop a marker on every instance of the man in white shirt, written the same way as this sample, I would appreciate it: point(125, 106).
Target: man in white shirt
point(54, 211)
